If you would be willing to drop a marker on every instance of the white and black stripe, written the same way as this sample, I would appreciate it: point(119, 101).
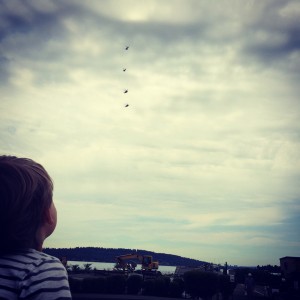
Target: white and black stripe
point(33, 275)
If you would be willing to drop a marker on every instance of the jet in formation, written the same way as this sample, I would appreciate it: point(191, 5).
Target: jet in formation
point(124, 69)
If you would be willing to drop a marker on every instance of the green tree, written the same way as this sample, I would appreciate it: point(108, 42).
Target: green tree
point(226, 287)
point(176, 288)
point(75, 268)
point(201, 284)
point(94, 285)
point(134, 284)
point(158, 286)
point(149, 287)
point(116, 284)
point(75, 285)
point(161, 286)
point(87, 267)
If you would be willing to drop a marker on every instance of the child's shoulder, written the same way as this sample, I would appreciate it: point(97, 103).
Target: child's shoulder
point(41, 258)
point(30, 257)
point(33, 254)
point(40, 262)
point(24, 262)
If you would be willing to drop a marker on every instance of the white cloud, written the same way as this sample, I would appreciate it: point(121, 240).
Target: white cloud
point(291, 11)
point(210, 138)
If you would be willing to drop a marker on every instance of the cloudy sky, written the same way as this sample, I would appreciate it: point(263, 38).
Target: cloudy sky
point(205, 160)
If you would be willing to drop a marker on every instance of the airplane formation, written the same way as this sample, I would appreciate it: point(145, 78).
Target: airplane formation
point(124, 69)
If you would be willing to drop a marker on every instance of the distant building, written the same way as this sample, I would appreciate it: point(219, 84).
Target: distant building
point(290, 266)
point(231, 273)
point(180, 270)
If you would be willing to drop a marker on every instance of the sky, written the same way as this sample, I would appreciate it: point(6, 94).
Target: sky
point(204, 162)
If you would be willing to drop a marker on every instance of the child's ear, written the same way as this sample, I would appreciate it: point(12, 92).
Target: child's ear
point(49, 218)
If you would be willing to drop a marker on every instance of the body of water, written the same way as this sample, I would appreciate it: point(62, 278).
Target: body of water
point(110, 266)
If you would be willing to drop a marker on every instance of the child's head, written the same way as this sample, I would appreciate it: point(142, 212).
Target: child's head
point(25, 201)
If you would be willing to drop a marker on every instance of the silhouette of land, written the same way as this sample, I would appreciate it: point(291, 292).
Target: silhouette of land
point(99, 254)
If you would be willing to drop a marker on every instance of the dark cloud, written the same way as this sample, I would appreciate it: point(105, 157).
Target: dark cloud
point(44, 24)
point(268, 52)
point(272, 38)
point(25, 35)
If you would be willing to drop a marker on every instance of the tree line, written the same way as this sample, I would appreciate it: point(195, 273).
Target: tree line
point(99, 254)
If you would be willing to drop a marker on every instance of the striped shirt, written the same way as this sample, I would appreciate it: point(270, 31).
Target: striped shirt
point(33, 275)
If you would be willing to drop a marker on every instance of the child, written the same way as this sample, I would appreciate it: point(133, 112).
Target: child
point(27, 218)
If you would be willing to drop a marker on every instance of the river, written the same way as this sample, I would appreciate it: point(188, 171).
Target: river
point(109, 266)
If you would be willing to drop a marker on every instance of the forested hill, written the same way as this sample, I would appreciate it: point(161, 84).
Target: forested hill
point(89, 254)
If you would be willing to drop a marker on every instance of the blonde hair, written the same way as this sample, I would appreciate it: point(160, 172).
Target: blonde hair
point(26, 191)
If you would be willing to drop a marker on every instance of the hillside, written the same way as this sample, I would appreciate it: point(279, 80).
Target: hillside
point(109, 254)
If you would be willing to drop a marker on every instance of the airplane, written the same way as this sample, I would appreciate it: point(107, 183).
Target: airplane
point(127, 47)
point(126, 91)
